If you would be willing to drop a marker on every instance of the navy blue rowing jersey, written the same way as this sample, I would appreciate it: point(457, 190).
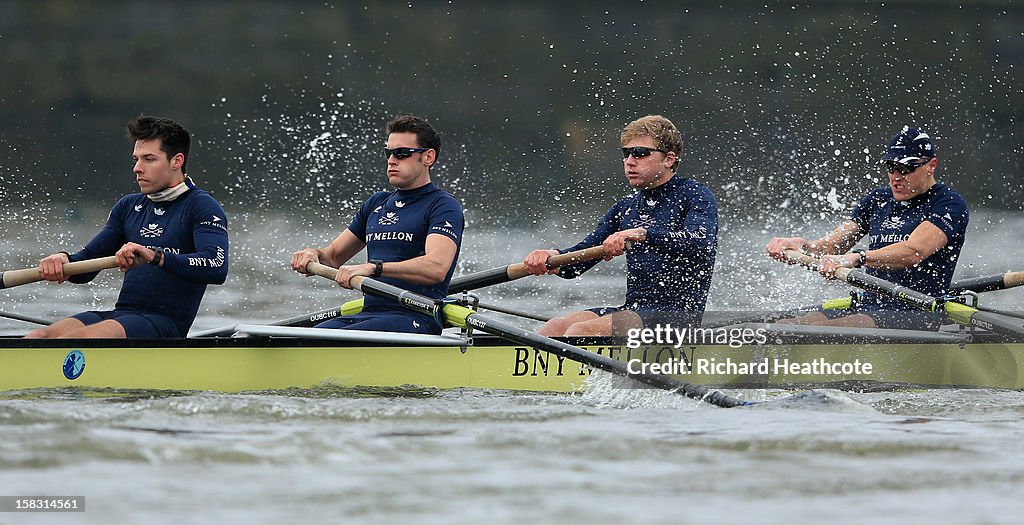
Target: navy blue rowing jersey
point(191, 230)
point(671, 270)
point(888, 221)
point(395, 225)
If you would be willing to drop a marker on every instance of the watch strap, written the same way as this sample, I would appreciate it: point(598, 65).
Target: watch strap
point(378, 267)
point(862, 255)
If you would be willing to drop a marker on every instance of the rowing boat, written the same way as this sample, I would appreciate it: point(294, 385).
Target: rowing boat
point(260, 357)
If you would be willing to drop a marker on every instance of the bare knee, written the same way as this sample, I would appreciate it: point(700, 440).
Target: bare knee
point(576, 330)
point(39, 333)
point(589, 328)
point(59, 329)
point(813, 318)
point(554, 328)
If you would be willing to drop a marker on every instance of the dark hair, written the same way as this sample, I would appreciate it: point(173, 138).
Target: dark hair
point(426, 137)
point(174, 139)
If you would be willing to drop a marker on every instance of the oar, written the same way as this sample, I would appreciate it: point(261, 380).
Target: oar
point(515, 271)
point(956, 312)
point(988, 283)
point(26, 318)
point(301, 321)
point(464, 317)
point(977, 284)
point(349, 308)
point(12, 278)
point(510, 311)
point(1000, 311)
point(709, 321)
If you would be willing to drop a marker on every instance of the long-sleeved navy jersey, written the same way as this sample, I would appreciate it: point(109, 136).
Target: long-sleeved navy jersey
point(671, 270)
point(191, 230)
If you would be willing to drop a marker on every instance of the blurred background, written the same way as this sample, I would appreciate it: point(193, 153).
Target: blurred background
point(784, 109)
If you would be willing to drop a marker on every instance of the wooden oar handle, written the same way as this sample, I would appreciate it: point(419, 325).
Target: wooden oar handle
point(322, 270)
point(801, 258)
point(31, 275)
point(588, 254)
point(328, 272)
point(1011, 279)
point(518, 270)
point(813, 263)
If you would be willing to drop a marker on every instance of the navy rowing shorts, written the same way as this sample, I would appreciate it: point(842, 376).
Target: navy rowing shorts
point(137, 325)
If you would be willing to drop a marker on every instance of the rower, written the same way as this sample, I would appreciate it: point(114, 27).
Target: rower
point(412, 235)
point(672, 223)
point(171, 240)
point(915, 227)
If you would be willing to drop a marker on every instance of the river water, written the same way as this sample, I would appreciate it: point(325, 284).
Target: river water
point(610, 455)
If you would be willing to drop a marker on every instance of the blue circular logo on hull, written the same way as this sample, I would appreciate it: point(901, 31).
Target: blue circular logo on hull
point(74, 364)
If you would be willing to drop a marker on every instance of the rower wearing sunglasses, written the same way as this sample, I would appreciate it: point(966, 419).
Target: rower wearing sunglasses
point(412, 235)
point(915, 228)
point(671, 227)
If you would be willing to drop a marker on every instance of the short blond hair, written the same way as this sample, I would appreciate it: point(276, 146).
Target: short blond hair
point(659, 128)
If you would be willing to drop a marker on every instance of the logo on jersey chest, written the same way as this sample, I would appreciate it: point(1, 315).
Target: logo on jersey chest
point(893, 222)
point(643, 220)
point(151, 230)
point(388, 219)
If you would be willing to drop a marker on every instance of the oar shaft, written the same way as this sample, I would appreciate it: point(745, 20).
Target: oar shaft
point(26, 318)
point(1000, 311)
point(995, 323)
point(959, 313)
point(518, 270)
point(870, 283)
point(314, 318)
point(967, 315)
point(14, 278)
point(515, 271)
point(874, 284)
point(989, 283)
point(479, 280)
point(510, 311)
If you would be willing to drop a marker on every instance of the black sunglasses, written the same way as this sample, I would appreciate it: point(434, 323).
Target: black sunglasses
point(903, 168)
point(402, 153)
point(639, 152)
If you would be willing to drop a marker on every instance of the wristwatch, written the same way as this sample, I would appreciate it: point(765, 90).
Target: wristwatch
point(862, 256)
point(378, 267)
point(158, 258)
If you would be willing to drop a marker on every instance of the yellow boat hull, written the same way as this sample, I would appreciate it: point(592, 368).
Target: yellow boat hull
point(245, 364)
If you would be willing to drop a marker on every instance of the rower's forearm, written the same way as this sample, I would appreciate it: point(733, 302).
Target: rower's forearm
point(837, 242)
point(334, 258)
point(820, 247)
point(899, 256)
point(419, 270)
point(829, 246)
